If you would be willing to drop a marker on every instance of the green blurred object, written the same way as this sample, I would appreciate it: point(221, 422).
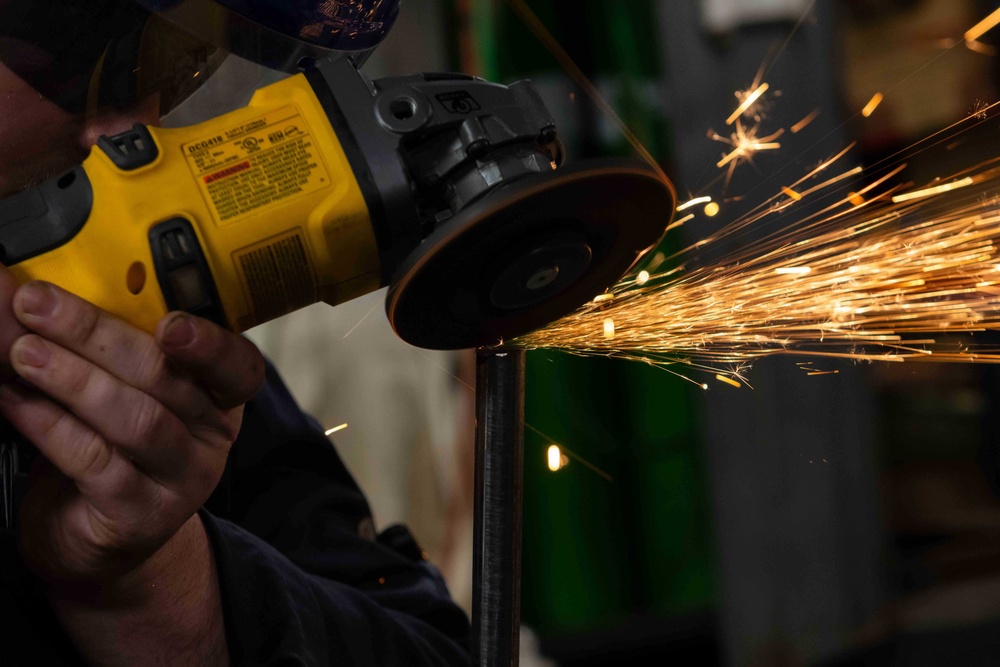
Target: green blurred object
point(599, 552)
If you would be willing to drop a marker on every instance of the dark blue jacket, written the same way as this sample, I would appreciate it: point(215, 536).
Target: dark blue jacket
point(304, 579)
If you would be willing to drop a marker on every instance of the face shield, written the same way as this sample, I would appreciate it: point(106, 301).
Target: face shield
point(67, 64)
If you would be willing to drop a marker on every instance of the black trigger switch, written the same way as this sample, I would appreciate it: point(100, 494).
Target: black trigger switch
point(183, 271)
point(130, 150)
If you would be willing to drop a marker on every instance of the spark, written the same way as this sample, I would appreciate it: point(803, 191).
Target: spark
point(832, 181)
point(867, 283)
point(811, 371)
point(728, 380)
point(792, 194)
point(570, 454)
point(679, 222)
point(873, 103)
point(556, 459)
point(711, 210)
point(600, 298)
point(882, 273)
point(748, 100)
point(930, 192)
point(609, 329)
point(983, 27)
point(802, 124)
point(659, 258)
point(642, 278)
point(745, 143)
point(378, 302)
point(693, 202)
point(336, 429)
point(979, 110)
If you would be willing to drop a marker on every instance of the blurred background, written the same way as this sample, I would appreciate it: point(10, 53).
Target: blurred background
point(846, 519)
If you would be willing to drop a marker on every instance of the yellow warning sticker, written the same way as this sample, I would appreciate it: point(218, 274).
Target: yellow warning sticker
point(256, 164)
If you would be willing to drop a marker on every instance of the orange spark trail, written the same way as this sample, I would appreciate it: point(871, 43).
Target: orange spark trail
point(748, 102)
point(872, 105)
point(984, 26)
point(853, 282)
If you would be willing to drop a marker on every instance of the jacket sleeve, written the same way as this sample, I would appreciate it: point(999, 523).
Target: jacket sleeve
point(304, 578)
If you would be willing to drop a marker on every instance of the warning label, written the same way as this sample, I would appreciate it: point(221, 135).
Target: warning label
point(256, 164)
point(228, 171)
point(278, 276)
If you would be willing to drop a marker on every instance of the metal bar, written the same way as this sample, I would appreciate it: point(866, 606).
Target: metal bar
point(496, 592)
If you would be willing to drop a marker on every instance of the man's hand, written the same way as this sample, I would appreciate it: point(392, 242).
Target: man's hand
point(135, 430)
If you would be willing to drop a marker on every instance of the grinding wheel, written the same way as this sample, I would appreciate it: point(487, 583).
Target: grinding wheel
point(528, 253)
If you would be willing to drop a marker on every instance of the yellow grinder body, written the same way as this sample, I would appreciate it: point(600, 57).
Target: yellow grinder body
point(267, 194)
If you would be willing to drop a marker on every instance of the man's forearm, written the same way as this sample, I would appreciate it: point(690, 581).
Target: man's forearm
point(167, 611)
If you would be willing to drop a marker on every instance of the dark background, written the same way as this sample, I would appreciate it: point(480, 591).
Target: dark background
point(843, 519)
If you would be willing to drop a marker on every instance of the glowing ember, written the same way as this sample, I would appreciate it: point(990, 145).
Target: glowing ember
point(930, 192)
point(335, 429)
point(694, 202)
point(792, 194)
point(745, 143)
point(984, 26)
point(728, 380)
point(748, 100)
point(556, 459)
point(677, 223)
point(804, 123)
point(872, 105)
point(609, 329)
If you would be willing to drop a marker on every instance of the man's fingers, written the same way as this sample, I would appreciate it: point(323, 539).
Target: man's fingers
point(231, 367)
point(10, 328)
point(127, 353)
point(101, 472)
point(125, 417)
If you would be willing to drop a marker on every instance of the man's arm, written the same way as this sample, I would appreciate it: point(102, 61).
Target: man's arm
point(135, 431)
point(166, 611)
point(324, 583)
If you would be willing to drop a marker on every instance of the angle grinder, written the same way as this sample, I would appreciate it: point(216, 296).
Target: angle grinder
point(328, 185)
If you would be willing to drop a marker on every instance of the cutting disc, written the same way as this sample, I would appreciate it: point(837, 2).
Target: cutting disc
point(528, 253)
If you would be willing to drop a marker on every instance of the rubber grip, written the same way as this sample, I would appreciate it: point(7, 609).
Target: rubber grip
point(44, 217)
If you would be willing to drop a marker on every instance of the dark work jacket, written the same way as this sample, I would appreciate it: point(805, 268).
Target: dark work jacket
point(304, 579)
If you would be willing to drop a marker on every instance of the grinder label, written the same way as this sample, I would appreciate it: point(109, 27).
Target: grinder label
point(277, 277)
point(256, 164)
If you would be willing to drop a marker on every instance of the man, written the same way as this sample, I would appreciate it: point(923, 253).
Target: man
point(153, 447)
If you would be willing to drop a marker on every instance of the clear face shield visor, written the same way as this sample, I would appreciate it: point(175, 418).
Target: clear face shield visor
point(64, 63)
